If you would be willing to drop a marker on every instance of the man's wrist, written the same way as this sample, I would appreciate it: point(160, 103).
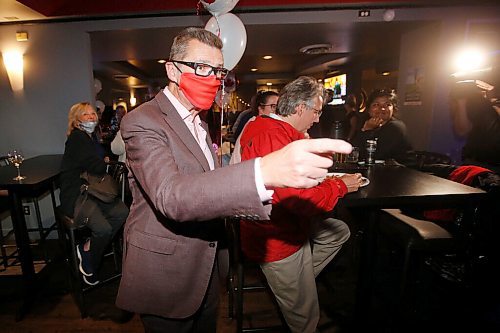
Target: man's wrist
point(264, 194)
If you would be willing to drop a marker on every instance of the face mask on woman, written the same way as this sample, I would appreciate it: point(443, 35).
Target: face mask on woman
point(88, 126)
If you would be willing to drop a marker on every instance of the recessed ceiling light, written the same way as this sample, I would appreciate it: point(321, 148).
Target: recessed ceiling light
point(254, 69)
point(386, 73)
point(121, 76)
point(267, 57)
point(162, 61)
point(269, 84)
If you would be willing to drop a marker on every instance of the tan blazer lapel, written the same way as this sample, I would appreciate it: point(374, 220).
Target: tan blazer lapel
point(179, 127)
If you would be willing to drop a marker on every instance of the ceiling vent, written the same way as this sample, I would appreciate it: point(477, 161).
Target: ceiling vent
point(317, 49)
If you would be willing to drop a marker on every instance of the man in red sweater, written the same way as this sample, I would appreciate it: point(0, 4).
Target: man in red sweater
point(298, 241)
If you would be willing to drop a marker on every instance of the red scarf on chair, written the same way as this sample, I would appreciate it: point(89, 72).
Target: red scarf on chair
point(464, 175)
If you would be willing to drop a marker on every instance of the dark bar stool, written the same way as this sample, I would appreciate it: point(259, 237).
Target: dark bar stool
point(419, 239)
point(75, 234)
point(237, 286)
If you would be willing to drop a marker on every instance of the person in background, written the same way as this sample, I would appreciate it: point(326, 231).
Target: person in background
point(173, 262)
point(298, 241)
point(245, 115)
point(81, 154)
point(383, 126)
point(266, 102)
point(476, 119)
point(120, 112)
point(351, 120)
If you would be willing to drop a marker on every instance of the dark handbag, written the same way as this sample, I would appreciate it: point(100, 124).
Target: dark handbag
point(104, 188)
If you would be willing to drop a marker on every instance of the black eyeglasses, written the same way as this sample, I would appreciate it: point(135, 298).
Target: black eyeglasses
point(273, 106)
point(204, 70)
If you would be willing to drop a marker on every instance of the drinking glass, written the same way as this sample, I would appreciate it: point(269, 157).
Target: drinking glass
point(353, 156)
point(371, 148)
point(16, 158)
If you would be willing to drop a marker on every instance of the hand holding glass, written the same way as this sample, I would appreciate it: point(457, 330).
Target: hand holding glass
point(16, 158)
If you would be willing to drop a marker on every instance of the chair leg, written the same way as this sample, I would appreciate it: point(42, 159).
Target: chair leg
point(76, 279)
point(405, 270)
point(5, 258)
point(41, 230)
point(230, 291)
point(239, 297)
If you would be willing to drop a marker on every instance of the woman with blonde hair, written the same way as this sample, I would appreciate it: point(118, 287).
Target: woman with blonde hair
point(82, 153)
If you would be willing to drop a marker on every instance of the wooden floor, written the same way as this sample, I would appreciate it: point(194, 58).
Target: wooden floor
point(54, 309)
point(449, 308)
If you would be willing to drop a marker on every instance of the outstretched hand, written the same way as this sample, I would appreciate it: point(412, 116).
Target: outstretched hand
point(302, 163)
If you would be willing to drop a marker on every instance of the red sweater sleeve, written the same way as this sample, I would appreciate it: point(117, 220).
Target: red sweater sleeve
point(302, 202)
point(312, 201)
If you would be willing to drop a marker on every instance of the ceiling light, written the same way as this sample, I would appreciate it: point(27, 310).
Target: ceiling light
point(120, 76)
point(317, 49)
point(254, 69)
point(269, 84)
point(162, 61)
point(386, 73)
point(267, 57)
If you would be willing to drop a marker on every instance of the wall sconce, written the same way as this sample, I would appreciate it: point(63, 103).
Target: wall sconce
point(13, 61)
point(133, 100)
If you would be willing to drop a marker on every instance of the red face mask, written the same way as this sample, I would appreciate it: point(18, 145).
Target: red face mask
point(199, 90)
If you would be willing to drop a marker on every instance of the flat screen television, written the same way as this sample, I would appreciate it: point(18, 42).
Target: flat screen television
point(338, 84)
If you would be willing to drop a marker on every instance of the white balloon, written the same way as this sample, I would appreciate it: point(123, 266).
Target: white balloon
point(100, 106)
point(233, 34)
point(219, 7)
point(97, 86)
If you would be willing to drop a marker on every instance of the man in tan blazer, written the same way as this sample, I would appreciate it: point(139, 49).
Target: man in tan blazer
point(172, 234)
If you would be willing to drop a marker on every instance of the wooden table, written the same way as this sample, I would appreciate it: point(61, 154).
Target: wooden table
point(41, 174)
point(398, 187)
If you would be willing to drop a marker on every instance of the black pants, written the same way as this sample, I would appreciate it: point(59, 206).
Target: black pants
point(104, 219)
point(204, 320)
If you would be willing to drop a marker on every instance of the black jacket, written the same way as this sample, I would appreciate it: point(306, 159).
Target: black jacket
point(392, 141)
point(80, 154)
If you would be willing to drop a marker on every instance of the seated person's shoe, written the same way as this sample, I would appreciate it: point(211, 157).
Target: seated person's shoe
point(91, 280)
point(84, 261)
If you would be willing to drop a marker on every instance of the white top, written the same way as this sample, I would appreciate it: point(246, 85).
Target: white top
point(118, 147)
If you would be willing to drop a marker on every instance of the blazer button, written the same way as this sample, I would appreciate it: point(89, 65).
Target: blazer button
point(211, 244)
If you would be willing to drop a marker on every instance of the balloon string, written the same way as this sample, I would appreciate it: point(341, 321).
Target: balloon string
point(218, 26)
point(223, 108)
point(198, 7)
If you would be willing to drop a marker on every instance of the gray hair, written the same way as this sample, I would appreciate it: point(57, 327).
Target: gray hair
point(181, 41)
point(302, 90)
